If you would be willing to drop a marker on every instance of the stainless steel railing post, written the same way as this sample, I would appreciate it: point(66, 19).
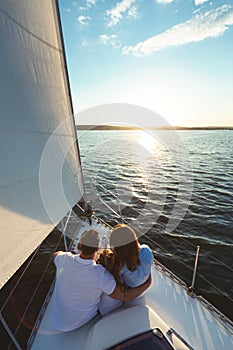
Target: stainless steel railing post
point(191, 288)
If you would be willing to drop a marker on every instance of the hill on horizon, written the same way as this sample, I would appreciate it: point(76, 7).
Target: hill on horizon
point(123, 127)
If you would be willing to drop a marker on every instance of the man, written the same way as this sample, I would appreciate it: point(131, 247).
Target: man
point(80, 283)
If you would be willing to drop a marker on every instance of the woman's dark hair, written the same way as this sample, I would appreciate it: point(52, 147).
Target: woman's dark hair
point(126, 249)
point(89, 242)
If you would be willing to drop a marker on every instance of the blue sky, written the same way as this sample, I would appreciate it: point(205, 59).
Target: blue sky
point(174, 57)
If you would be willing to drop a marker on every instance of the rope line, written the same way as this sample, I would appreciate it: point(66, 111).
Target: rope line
point(17, 283)
point(37, 287)
point(191, 269)
point(219, 290)
point(199, 274)
point(208, 253)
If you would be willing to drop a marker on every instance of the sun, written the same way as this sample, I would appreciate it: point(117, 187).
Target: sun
point(147, 140)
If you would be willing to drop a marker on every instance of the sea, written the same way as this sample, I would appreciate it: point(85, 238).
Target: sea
point(175, 188)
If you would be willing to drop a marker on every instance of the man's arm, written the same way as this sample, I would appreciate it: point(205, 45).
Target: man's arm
point(131, 293)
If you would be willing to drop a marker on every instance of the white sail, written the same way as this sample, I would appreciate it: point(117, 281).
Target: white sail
point(39, 161)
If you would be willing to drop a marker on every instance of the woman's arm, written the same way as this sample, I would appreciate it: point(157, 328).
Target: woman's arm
point(131, 293)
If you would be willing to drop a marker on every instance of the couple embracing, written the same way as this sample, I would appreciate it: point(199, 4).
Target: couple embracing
point(89, 283)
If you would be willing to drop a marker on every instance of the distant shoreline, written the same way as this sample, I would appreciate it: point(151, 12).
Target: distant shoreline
point(114, 127)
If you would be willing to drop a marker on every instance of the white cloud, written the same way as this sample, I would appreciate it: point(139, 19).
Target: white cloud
point(88, 5)
point(110, 40)
point(200, 2)
point(85, 43)
point(164, 1)
point(83, 20)
point(91, 2)
point(116, 13)
point(211, 24)
point(132, 12)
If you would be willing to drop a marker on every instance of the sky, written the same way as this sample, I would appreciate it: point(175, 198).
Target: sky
point(173, 57)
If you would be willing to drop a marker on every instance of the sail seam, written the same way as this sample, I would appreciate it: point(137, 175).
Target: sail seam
point(29, 31)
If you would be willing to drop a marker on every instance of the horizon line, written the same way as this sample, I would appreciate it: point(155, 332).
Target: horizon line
point(125, 127)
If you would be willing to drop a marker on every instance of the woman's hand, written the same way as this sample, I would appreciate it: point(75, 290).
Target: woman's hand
point(149, 280)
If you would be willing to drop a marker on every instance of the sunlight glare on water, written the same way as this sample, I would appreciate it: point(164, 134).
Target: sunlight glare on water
point(147, 140)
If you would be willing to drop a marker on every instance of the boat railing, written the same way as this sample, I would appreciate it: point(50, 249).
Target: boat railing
point(40, 317)
point(173, 331)
point(191, 288)
point(225, 321)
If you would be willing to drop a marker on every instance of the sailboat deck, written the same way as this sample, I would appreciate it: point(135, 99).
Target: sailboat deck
point(164, 305)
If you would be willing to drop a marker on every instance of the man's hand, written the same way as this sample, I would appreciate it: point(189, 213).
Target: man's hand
point(130, 294)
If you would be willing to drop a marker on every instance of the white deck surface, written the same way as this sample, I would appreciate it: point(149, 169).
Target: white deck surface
point(103, 332)
point(165, 304)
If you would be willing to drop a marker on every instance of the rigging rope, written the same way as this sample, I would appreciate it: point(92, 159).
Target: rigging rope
point(219, 290)
point(199, 274)
point(17, 283)
point(37, 287)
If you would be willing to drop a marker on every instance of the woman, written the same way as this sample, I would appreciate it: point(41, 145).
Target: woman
point(129, 262)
